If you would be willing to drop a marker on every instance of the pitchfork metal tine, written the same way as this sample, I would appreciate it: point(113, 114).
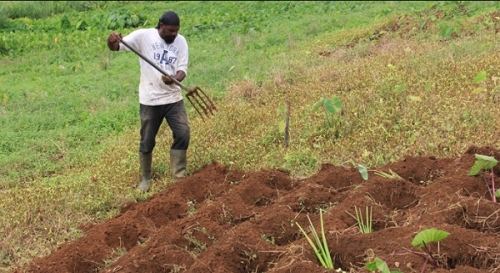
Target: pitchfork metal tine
point(210, 105)
point(204, 101)
point(199, 102)
point(194, 106)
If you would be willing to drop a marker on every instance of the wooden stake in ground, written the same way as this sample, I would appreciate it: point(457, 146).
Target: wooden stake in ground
point(287, 124)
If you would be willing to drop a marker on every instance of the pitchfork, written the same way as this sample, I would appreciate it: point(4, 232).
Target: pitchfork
point(198, 96)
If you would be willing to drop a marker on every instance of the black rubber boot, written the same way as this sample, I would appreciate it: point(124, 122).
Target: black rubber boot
point(146, 162)
point(178, 163)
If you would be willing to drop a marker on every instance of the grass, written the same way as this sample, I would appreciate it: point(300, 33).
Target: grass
point(69, 112)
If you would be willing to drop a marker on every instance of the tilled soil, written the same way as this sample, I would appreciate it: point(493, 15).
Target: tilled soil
point(222, 220)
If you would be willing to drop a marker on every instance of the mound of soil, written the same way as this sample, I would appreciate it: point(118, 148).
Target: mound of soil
point(221, 220)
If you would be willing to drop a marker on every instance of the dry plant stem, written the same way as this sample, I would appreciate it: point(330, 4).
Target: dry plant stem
point(493, 191)
point(487, 185)
point(287, 124)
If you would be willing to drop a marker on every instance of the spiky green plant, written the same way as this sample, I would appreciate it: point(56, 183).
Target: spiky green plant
point(365, 222)
point(320, 247)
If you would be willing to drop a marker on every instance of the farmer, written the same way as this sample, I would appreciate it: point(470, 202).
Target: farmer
point(159, 97)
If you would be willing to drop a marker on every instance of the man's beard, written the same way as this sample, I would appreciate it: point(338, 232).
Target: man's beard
point(169, 39)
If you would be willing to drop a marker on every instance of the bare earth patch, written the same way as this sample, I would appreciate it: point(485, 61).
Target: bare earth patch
point(222, 220)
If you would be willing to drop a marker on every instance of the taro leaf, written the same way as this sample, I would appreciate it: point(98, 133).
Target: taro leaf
point(490, 159)
point(337, 104)
point(477, 168)
point(135, 20)
point(363, 171)
point(121, 22)
point(379, 264)
point(483, 162)
point(329, 107)
point(429, 236)
point(481, 76)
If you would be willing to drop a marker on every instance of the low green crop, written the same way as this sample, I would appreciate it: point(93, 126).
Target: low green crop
point(422, 240)
point(365, 221)
point(332, 108)
point(321, 246)
point(482, 164)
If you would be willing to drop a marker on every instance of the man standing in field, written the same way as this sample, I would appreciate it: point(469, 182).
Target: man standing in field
point(159, 97)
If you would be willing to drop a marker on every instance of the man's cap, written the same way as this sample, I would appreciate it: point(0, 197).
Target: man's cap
point(169, 18)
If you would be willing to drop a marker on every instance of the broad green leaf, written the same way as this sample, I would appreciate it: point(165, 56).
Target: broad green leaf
point(481, 76)
point(135, 20)
point(477, 168)
point(337, 104)
point(378, 264)
point(486, 158)
point(482, 163)
point(371, 266)
point(363, 171)
point(427, 86)
point(430, 235)
point(121, 22)
point(478, 90)
point(329, 107)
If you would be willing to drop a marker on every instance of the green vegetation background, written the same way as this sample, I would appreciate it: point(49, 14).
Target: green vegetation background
point(409, 78)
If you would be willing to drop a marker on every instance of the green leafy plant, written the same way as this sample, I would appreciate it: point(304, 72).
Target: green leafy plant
point(321, 246)
point(480, 77)
point(389, 175)
point(380, 265)
point(364, 221)
point(333, 112)
point(482, 164)
point(363, 171)
point(123, 18)
point(422, 240)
